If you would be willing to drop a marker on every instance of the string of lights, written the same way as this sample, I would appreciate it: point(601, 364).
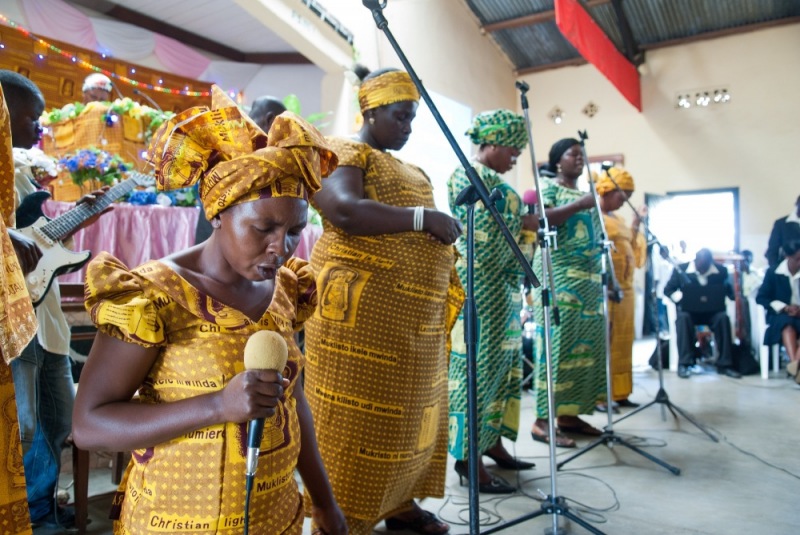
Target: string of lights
point(87, 65)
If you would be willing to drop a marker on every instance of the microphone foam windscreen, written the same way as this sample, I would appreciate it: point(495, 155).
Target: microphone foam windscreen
point(530, 197)
point(265, 350)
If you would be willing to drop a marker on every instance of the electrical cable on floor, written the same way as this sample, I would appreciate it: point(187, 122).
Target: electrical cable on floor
point(753, 455)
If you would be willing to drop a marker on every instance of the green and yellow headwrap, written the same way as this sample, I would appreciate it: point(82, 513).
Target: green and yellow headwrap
point(388, 88)
point(605, 184)
point(234, 160)
point(499, 127)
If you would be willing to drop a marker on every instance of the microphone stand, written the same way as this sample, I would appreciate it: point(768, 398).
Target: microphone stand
point(608, 437)
point(662, 398)
point(479, 192)
point(553, 504)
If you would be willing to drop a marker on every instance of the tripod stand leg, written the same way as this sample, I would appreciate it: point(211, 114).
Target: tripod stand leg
point(551, 506)
point(581, 452)
point(674, 469)
point(697, 424)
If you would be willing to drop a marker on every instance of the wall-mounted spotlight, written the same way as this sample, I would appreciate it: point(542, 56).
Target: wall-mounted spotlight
point(556, 115)
point(702, 98)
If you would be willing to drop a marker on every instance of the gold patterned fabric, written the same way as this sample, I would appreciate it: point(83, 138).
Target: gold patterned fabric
point(17, 328)
point(628, 254)
point(377, 350)
point(237, 162)
point(385, 89)
point(195, 483)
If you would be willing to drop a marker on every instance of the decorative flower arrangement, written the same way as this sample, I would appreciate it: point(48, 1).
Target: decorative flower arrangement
point(43, 167)
point(121, 106)
point(94, 164)
point(178, 197)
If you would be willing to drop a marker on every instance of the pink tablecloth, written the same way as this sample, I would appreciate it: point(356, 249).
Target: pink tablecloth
point(136, 234)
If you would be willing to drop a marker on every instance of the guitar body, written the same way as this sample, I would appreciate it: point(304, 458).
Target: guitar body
point(56, 260)
point(30, 209)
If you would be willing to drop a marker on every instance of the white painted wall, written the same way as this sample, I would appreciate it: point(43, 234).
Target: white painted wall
point(752, 142)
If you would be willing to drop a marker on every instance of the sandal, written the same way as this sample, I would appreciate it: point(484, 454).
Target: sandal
point(425, 523)
point(540, 435)
point(793, 370)
point(580, 428)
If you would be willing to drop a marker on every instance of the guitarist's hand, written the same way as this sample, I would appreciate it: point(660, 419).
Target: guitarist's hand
point(27, 251)
point(91, 198)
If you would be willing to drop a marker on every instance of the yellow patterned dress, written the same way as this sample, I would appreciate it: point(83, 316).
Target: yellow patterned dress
point(629, 254)
point(17, 328)
point(377, 350)
point(195, 482)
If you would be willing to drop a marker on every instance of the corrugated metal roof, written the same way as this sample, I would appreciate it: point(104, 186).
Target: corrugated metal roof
point(527, 33)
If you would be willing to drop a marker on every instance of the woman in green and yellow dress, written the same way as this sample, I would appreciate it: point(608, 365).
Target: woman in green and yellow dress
point(500, 136)
point(377, 346)
point(174, 331)
point(578, 342)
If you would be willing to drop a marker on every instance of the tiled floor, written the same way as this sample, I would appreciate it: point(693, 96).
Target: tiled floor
point(748, 482)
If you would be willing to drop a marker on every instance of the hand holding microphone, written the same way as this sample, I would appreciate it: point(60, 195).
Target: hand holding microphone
point(265, 350)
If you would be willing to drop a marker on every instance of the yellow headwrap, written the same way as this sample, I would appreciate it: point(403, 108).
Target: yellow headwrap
point(388, 88)
point(605, 184)
point(234, 160)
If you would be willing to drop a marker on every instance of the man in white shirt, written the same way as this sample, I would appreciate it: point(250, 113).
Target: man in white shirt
point(689, 278)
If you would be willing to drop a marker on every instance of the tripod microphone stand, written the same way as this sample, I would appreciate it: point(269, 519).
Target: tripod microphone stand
point(553, 504)
point(662, 398)
point(609, 284)
point(477, 191)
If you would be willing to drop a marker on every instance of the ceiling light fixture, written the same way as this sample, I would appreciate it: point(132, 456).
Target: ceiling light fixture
point(556, 115)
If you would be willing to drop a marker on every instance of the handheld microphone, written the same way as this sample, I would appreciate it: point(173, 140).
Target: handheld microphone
point(522, 86)
point(264, 350)
point(149, 99)
point(531, 199)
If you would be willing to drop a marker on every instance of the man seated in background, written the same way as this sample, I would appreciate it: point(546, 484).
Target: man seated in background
point(699, 289)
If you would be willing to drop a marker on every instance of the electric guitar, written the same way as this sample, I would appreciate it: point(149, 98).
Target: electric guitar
point(48, 234)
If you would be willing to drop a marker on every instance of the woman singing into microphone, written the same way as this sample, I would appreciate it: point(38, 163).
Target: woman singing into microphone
point(174, 331)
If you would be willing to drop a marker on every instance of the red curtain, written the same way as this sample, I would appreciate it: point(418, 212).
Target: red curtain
point(594, 45)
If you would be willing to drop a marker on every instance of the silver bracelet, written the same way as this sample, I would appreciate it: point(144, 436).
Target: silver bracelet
point(419, 218)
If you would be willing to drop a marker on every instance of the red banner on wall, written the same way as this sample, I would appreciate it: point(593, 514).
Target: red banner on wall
point(594, 45)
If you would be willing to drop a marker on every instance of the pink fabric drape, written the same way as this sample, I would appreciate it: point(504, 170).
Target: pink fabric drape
point(136, 234)
point(132, 233)
point(59, 20)
point(179, 58)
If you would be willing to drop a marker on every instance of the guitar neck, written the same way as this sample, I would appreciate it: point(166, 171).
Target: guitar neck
point(67, 223)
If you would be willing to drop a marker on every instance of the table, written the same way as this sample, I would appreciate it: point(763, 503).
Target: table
point(138, 233)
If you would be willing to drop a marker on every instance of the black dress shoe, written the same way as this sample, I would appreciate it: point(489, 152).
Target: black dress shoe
point(628, 403)
point(683, 372)
point(512, 464)
point(497, 485)
point(730, 372)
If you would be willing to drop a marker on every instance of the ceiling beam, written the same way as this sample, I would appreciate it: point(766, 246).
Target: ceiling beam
point(722, 33)
point(574, 62)
point(533, 18)
point(632, 51)
point(276, 58)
